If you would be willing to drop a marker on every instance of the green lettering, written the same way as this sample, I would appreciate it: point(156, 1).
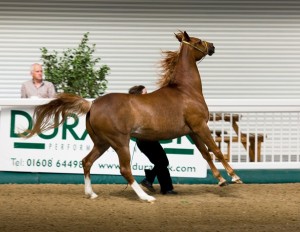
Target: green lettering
point(166, 141)
point(14, 113)
point(188, 137)
point(51, 136)
point(84, 135)
point(69, 127)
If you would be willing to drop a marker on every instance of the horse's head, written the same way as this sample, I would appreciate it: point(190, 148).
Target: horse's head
point(201, 47)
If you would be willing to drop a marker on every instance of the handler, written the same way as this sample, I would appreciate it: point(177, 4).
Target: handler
point(157, 156)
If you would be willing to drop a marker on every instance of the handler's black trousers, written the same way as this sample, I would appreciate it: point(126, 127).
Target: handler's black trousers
point(157, 156)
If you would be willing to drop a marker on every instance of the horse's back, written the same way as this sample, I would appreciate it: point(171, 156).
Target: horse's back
point(110, 105)
point(145, 115)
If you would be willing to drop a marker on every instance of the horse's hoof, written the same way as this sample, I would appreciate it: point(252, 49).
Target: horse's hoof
point(148, 199)
point(93, 196)
point(151, 199)
point(223, 183)
point(239, 181)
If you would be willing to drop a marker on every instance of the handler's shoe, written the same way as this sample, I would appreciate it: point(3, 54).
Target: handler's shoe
point(169, 192)
point(147, 185)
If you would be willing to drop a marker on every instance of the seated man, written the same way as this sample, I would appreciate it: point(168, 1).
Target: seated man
point(37, 87)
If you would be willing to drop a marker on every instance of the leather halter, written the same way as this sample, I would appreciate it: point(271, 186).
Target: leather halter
point(204, 52)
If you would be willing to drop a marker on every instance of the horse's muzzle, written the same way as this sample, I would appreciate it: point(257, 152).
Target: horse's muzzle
point(211, 50)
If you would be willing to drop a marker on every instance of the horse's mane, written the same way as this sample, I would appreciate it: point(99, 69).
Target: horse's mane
point(168, 65)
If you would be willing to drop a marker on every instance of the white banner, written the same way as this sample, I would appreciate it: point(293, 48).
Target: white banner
point(61, 150)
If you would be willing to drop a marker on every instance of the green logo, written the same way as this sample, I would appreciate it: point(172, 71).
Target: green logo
point(66, 127)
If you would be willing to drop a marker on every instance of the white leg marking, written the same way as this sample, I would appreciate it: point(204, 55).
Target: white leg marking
point(88, 188)
point(237, 180)
point(140, 192)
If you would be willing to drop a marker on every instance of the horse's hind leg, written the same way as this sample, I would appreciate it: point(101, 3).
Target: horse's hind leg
point(87, 163)
point(125, 169)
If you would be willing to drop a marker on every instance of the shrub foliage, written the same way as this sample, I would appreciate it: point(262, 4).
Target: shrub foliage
point(76, 70)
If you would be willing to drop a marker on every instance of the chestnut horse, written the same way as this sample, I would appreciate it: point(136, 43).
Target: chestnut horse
point(177, 108)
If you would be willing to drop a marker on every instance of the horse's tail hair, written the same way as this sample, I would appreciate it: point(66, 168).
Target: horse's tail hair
point(47, 116)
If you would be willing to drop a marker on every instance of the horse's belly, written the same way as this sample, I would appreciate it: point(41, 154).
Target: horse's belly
point(161, 132)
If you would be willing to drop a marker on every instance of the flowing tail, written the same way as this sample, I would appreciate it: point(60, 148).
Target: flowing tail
point(47, 116)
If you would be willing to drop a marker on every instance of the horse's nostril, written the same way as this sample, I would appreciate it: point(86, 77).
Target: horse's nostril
point(211, 50)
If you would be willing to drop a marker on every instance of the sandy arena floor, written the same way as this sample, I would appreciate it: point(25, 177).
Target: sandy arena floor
point(242, 208)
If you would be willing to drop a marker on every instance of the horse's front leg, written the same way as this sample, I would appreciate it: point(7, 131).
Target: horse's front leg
point(205, 153)
point(205, 136)
point(125, 169)
point(87, 163)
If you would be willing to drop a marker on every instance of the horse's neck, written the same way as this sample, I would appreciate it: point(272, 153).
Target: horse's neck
point(187, 72)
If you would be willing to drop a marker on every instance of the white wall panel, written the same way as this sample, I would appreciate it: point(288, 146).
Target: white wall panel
point(257, 42)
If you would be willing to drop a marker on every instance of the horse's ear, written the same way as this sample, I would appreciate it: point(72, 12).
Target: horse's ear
point(186, 36)
point(179, 36)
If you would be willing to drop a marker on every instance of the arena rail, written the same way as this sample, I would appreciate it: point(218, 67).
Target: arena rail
point(257, 133)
